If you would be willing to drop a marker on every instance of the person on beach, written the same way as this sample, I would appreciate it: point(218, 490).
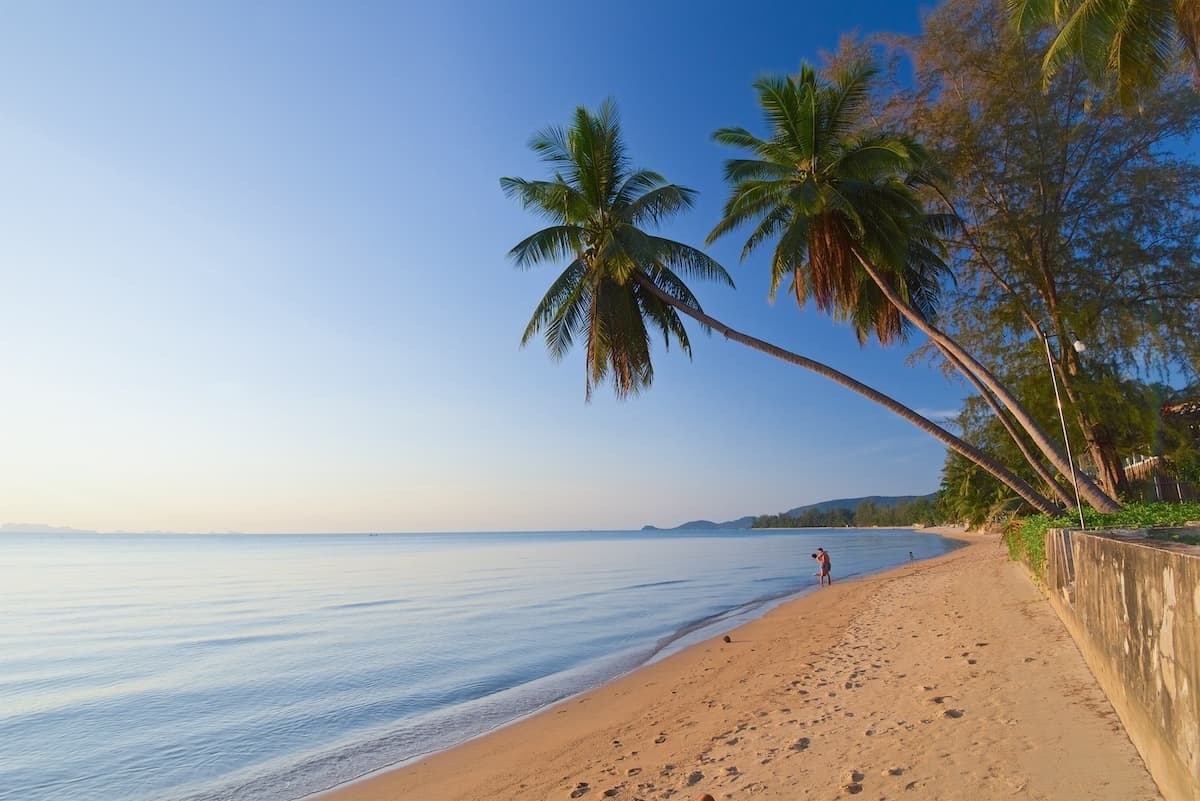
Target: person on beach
point(822, 558)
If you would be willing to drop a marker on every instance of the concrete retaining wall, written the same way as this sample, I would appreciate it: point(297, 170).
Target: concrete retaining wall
point(1133, 607)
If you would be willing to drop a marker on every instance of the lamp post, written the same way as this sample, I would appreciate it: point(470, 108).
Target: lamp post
point(1079, 348)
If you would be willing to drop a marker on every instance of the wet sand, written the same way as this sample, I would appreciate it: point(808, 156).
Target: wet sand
point(944, 679)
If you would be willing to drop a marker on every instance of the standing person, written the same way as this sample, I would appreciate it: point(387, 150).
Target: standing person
point(822, 557)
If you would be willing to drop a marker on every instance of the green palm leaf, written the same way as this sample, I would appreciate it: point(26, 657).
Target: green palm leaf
point(825, 191)
point(604, 212)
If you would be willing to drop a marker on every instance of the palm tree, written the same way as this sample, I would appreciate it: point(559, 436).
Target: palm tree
point(619, 276)
point(849, 226)
point(601, 206)
point(1136, 41)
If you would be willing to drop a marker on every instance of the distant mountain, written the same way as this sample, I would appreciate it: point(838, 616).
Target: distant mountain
point(706, 525)
point(883, 501)
point(40, 528)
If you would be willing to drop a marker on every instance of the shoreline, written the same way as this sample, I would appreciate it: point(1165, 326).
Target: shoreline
point(950, 676)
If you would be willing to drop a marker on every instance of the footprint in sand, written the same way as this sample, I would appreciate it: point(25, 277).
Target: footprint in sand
point(662, 738)
point(633, 771)
point(580, 789)
point(801, 744)
point(953, 713)
point(853, 783)
point(694, 777)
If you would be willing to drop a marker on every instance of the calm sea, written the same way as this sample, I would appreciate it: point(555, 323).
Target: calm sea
point(265, 668)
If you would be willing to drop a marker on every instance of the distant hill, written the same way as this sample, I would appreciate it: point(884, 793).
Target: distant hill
point(882, 501)
point(40, 528)
point(704, 525)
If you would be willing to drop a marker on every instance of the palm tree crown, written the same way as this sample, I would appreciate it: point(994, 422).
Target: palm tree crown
point(600, 208)
point(830, 194)
point(1135, 41)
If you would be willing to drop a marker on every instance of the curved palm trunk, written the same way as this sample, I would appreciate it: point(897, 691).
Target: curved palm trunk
point(1015, 435)
point(1087, 488)
point(988, 397)
point(999, 471)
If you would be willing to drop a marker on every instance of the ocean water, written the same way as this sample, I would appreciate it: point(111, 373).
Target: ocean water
point(267, 668)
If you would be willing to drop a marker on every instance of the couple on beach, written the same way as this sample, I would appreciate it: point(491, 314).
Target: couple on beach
point(822, 558)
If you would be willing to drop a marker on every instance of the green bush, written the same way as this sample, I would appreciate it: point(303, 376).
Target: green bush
point(1026, 539)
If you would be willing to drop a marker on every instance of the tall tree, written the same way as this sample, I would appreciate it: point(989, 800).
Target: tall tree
point(1137, 42)
point(619, 275)
point(1079, 217)
point(838, 199)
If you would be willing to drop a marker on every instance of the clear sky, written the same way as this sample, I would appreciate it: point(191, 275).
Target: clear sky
point(253, 273)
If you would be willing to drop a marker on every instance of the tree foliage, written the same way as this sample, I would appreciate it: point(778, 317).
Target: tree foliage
point(1080, 217)
point(840, 197)
point(917, 512)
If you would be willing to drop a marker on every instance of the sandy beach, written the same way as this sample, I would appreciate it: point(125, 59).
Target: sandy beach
point(944, 679)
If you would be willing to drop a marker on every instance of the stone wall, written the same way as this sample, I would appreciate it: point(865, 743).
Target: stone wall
point(1133, 607)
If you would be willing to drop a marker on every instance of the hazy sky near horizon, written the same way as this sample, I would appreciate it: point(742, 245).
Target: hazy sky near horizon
point(255, 275)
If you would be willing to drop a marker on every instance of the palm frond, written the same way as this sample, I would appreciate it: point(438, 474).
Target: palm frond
point(554, 200)
point(557, 314)
point(847, 98)
point(690, 261)
point(634, 185)
point(660, 203)
point(737, 137)
point(549, 244)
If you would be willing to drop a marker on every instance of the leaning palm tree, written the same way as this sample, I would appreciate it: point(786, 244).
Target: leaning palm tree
point(1135, 41)
point(622, 282)
point(849, 228)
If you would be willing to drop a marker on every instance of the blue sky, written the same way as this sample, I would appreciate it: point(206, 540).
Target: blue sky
point(254, 273)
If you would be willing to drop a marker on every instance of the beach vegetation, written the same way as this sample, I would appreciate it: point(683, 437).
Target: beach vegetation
point(1026, 537)
point(620, 274)
point(1024, 234)
point(843, 201)
point(1078, 223)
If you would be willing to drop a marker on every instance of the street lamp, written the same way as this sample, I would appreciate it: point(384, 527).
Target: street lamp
point(1079, 348)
